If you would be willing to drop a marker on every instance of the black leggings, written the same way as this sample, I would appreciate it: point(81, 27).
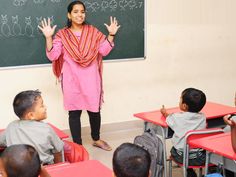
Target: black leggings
point(75, 125)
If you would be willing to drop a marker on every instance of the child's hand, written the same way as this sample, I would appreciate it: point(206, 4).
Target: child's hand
point(163, 111)
point(228, 121)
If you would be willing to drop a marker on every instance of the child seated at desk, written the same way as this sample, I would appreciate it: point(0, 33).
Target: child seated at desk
point(21, 160)
point(131, 160)
point(30, 129)
point(191, 103)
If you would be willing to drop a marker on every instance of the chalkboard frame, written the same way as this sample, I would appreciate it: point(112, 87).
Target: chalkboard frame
point(106, 60)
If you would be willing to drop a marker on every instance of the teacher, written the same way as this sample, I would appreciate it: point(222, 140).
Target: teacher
point(76, 53)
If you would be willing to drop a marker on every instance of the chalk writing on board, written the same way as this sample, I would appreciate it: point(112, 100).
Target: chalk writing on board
point(23, 2)
point(19, 25)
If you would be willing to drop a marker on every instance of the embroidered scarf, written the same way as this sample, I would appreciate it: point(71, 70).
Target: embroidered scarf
point(83, 51)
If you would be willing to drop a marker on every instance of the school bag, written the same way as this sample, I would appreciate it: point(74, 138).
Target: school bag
point(153, 144)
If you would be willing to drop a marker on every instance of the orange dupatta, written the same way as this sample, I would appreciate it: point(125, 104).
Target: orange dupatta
point(83, 51)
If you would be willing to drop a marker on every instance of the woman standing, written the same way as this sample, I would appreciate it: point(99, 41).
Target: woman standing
point(76, 53)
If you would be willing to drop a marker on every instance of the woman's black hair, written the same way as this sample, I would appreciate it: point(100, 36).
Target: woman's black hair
point(69, 9)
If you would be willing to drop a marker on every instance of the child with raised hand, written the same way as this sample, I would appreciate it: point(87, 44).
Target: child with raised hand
point(30, 129)
point(191, 103)
point(21, 160)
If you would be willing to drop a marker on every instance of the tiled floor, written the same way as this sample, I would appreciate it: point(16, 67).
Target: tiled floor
point(115, 138)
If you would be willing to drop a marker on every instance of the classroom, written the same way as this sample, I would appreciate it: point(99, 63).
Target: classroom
point(188, 44)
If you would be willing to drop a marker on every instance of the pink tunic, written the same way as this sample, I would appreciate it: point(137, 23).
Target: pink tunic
point(81, 86)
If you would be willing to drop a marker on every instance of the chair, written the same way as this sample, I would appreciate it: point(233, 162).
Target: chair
point(190, 135)
point(74, 152)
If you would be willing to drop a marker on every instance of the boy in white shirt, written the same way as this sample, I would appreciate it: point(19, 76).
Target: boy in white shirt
point(191, 103)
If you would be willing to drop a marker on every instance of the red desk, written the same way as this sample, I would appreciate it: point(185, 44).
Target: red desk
point(90, 168)
point(211, 111)
point(214, 113)
point(219, 150)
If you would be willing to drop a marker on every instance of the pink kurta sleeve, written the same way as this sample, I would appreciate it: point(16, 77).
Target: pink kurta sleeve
point(56, 50)
point(105, 47)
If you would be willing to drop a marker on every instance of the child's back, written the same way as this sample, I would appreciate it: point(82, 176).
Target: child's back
point(35, 133)
point(183, 122)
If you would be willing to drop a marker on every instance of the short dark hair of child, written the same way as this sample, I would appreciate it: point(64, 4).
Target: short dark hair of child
point(130, 160)
point(21, 160)
point(24, 102)
point(195, 99)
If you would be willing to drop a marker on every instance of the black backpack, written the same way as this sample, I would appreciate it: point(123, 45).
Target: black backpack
point(153, 144)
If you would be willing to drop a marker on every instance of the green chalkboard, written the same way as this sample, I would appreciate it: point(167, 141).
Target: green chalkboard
point(22, 44)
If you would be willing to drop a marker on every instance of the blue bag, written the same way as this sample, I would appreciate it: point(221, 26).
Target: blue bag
point(214, 175)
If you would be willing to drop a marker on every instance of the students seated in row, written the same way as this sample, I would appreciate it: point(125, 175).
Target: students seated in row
point(130, 160)
point(191, 103)
point(21, 160)
point(30, 129)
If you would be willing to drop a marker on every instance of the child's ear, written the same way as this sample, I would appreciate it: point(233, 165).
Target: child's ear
point(185, 107)
point(29, 115)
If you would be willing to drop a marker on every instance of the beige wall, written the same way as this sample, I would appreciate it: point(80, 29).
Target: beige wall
point(190, 43)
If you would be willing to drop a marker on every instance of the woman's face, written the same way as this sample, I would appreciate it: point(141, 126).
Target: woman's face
point(77, 15)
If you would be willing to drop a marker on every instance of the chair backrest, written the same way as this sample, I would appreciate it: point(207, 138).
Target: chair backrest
point(196, 134)
point(74, 152)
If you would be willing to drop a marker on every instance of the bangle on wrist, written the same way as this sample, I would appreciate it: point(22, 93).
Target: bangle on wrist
point(111, 34)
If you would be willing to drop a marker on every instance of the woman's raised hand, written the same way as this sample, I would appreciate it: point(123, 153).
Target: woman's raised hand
point(46, 28)
point(113, 27)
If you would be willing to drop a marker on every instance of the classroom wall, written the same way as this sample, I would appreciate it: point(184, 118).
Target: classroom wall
point(189, 44)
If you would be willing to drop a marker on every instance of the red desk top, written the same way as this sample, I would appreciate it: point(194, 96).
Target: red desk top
point(219, 144)
point(211, 111)
point(89, 168)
